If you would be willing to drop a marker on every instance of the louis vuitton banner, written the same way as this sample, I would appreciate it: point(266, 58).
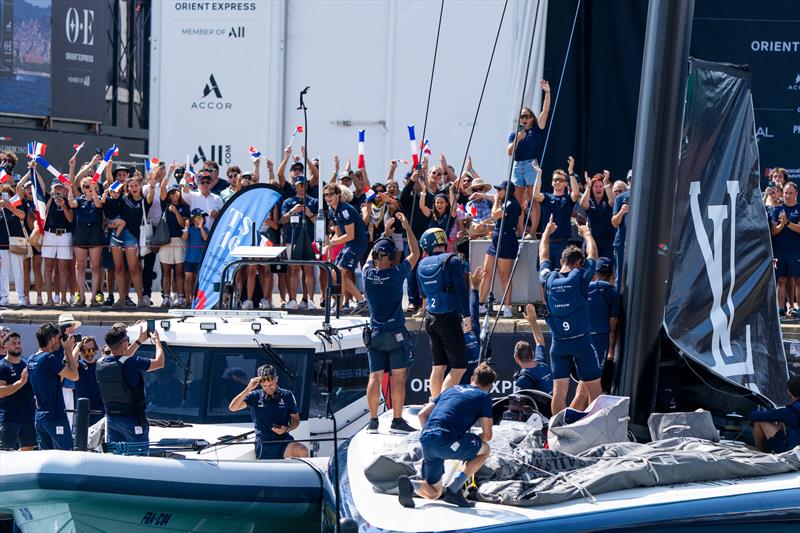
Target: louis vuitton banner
point(721, 305)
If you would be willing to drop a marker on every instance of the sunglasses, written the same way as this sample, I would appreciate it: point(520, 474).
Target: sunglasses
point(329, 194)
point(86, 186)
point(559, 180)
point(89, 350)
point(268, 379)
point(525, 116)
point(436, 173)
point(205, 182)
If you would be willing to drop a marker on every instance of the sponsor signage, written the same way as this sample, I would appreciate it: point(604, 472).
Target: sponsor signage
point(210, 73)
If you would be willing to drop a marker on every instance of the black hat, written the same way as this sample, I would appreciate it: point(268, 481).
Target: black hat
point(122, 168)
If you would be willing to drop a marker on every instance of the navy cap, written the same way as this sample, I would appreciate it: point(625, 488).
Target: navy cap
point(385, 247)
point(173, 187)
point(198, 213)
point(503, 185)
point(603, 265)
point(300, 178)
point(56, 183)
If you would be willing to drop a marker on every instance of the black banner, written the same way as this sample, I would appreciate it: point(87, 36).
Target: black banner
point(721, 306)
point(79, 46)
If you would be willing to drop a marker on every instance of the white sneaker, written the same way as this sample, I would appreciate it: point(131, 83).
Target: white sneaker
point(247, 305)
point(23, 300)
point(311, 305)
point(303, 305)
point(166, 302)
point(507, 313)
point(482, 310)
point(291, 305)
point(56, 299)
point(146, 302)
point(180, 302)
point(3, 300)
point(69, 299)
point(264, 304)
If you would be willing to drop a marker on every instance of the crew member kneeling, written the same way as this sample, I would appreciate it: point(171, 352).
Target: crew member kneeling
point(119, 377)
point(274, 413)
point(446, 434)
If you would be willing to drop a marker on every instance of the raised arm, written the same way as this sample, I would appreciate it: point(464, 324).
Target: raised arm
point(287, 153)
point(413, 248)
point(158, 362)
point(537, 184)
point(238, 403)
point(591, 246)
point(586, 192)
point(607, 186)
point(392, 169)
point(575, 189)
point(530, 315)
point(545, 105)
point(544, 244)
point(423, 193)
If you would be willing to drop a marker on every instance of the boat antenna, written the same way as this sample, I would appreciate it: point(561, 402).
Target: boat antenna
point(485, 336)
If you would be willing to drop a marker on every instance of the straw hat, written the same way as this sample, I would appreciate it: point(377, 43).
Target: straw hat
point(478, 185)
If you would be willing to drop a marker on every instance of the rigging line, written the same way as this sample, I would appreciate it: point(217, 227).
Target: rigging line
point(544, 152)
point(428, 104)
point(490, 301)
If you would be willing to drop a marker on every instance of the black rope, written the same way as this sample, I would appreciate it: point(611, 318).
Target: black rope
point(490, 301)
point(544, 152)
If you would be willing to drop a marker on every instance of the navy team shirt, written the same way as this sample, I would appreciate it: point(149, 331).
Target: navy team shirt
point(528, 147)
point(604, 304)
point(43, 370)
point(567, 299)
point(292, 229)
point(622, 229)
point(87, 387)
point(344, 215)
point(384, 291)
point(537, 378)
point(561, 208)
point(268, 411)
point(19, 408)
point(457, 409)
point(788, 240)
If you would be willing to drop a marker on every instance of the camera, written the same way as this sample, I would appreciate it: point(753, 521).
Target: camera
point(179, 172)
point(77, 337)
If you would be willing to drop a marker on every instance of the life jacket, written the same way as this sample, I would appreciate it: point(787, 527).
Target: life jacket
point(567, 305)
point(119, 398)
point(436, 284)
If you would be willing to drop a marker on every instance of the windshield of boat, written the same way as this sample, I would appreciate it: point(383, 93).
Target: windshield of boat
point(198, 383)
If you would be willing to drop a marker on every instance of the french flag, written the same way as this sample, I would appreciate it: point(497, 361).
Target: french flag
point(52, 170)
point(189, 174)
point(404, 161)
point(361, 134)
point(369, 194)
point(36, 148)
point(425, 148)
point(15, 200)
point(111, 152)
point(4, 176)
point(254, 154)
point(149, 164)
point(412, 138)
point(117, 185)
point(473, 209)
point(38, 201)
point(78, 147)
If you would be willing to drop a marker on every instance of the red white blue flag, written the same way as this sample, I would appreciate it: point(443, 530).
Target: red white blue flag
point(78, 147)
point(38, 200)
point(254, 153)
point(15, 200)
point(52, 170)
point(413, 142)
point(111, 152)
point(361, 148)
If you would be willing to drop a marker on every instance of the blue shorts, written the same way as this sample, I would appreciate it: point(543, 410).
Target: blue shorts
point(389, 351)
point(53, 434)
point(272, 450)
point(349, 258)
point(191, 267)
point(788, 265)
point(125, 240)
point(600, 342)
point(14, 435)
point(507, 249)
point(438, 446)
point(524, 175)
point(126, 428)
point(578, 350)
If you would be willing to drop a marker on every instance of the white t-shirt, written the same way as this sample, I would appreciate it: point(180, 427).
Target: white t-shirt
point(209, 203)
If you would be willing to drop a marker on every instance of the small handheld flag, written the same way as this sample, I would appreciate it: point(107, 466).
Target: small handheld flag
point(36, 148)
point(413, 142)
point(404, 161)
point(78, 147)
point(111, 152)
point(361, 134)
point(425, 148)
point(52, 170)
point(15, 200)
point(4, 176)
point(369, 194)
point(117, 185)
point(149, 164)
point(298, 129)
point(254, 154)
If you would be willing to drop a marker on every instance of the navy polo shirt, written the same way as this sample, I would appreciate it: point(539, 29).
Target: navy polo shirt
point(18, 408)
point(344, 215)
point(788, 240)
point(561, 208)
point(175, 229)
point(570, 290)
point(87, 387)
point(622, 229)
point(457, 409)
point(43, 370)
point(604, 304)
point(268, 411)
point(292, 228)
point(87, 212)
point(528, 148)
point(599, 216)
point(384, 292)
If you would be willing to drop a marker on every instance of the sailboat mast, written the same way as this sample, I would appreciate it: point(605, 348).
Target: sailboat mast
point(655, 172)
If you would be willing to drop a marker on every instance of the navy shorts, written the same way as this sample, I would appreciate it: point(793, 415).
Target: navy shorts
point(600, 342)
point(788, 265)
point(389, 351)
point(126, 428)
point(581, 352)
point(191, 268)
point(53, 434)
point(272, 450)
point(348, 258)
point(438, 446)
point(15, 435)
point(507, 249)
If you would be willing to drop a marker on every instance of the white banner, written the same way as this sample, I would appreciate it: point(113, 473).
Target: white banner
point(210, 80)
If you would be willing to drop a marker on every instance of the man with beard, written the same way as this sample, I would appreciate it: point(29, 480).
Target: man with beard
point(17, 406)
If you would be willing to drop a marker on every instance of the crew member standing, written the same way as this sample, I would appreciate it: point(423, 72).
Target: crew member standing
point(441, 280)
point(121, 382)
point(388, 338)
point(46, 368)
point(274, 413)
point(604, 309)
point(566, 295)
point(17, 406)
point(446, 435)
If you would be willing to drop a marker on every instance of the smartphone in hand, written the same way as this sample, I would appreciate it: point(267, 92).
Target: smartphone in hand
point(151, 326)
